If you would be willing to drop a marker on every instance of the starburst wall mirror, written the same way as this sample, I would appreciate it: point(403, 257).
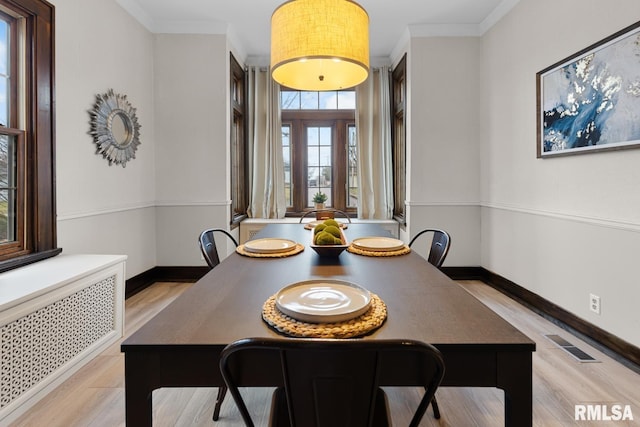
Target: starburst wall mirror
point(115, 128)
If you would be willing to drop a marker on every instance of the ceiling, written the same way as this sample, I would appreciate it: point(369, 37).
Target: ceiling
point(247, 22)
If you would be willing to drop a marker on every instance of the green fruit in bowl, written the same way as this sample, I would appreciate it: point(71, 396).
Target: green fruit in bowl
point(324, 238)
point(318, 228)
point(333, 222)
point(333, 230)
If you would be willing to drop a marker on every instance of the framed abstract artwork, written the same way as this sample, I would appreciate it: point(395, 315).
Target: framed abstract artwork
point(590, 101)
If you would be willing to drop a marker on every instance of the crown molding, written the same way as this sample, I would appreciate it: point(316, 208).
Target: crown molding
point(500, 11)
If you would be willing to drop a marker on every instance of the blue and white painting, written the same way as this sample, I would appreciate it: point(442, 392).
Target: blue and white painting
point(593, 102)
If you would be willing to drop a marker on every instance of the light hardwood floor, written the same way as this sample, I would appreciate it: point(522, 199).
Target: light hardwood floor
point(94, 396)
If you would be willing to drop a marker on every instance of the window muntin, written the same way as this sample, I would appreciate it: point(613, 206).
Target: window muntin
point(286, 156)
point(352, 167)
point(10, 197)
point(330, 100)
point(319, 162)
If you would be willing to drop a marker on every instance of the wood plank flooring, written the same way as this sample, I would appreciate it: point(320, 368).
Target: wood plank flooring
point(94, 396)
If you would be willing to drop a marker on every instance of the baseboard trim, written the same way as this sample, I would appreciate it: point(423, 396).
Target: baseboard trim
point(465, 273)
point(617, 348)
point(163, 274)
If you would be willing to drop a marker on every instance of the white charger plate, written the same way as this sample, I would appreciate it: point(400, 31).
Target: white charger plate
point(323, 301)
point(270, 245)
point(378, 244)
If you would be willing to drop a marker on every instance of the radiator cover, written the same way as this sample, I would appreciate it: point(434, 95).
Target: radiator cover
point(48, 337)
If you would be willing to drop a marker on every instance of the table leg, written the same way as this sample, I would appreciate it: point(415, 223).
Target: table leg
point(514, 376)
point(140, 377)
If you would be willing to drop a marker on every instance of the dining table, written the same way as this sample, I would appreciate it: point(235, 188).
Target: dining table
point(181, 345)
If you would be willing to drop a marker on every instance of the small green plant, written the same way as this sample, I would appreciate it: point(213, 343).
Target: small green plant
point(319, 197)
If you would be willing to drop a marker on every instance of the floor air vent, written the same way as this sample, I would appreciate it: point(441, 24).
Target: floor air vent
point(574, 351)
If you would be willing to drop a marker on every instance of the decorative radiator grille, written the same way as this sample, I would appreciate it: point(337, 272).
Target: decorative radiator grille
point(37, 344)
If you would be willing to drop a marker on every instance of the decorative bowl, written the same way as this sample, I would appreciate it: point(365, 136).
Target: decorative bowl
point(330, 251)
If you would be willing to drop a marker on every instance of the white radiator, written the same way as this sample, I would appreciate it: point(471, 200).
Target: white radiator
point(55, 316)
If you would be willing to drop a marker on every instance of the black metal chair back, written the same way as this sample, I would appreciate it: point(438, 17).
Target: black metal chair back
point(330, 211)
point(208, 245)
point(332, 383)
point(439, 245)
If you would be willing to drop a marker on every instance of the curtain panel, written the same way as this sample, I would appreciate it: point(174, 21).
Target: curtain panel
point(266, 165)
point(375, 166)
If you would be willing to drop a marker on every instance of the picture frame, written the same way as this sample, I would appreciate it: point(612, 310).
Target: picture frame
point(590, 101)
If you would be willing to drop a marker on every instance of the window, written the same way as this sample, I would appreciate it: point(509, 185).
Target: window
point(319, 149)
point(11, 140)
point(398, 136)
point(239, 185)
point(27, 179)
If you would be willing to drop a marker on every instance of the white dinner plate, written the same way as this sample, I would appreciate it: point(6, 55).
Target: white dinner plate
point(378, 244)
point(269, 246)
point(323, 301)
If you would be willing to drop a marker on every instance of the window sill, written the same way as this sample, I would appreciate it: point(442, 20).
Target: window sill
point(13, 263)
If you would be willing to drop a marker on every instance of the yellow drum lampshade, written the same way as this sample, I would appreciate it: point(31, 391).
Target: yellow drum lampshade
point(319, 44)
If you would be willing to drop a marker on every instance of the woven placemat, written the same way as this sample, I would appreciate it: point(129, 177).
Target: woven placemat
point(361, 325)
point(405, 250)
point(242, 251)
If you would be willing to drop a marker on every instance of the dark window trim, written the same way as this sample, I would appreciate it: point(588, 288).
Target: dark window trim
point(399, 149)
point(240, 183)
point(40, 216)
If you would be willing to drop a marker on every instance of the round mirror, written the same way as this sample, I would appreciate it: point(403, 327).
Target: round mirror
point(120, 129)
point(115, 128)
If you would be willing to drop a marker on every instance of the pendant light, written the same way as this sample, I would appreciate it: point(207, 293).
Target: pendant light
point(319, 45)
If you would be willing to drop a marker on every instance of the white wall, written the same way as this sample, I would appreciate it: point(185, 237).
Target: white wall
point(153, 209)
point(443, 189)
point(563, 227)
point(191, 111)
point(101, 208)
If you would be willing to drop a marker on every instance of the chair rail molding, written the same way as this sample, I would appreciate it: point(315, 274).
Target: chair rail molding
point(191, 203)
point(569, 216)
point(104, 211)
point(136, 206)
point(442, 203)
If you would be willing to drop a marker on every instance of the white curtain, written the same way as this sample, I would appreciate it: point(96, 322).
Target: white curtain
point(373, 122)
point(266, 165)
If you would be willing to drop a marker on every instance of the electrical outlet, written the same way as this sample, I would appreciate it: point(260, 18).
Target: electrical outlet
point(594, 303)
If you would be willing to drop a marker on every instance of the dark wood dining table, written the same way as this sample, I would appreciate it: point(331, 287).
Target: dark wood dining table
point(180, 347)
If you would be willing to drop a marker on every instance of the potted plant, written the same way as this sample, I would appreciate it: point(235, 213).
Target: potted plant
point(319, 198)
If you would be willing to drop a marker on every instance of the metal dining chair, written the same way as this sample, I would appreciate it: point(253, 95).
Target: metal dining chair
point(438, 251)
point(209, 250)
point(440, 243)
point(331, 382)
point(332, 211)
point(208, 245)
